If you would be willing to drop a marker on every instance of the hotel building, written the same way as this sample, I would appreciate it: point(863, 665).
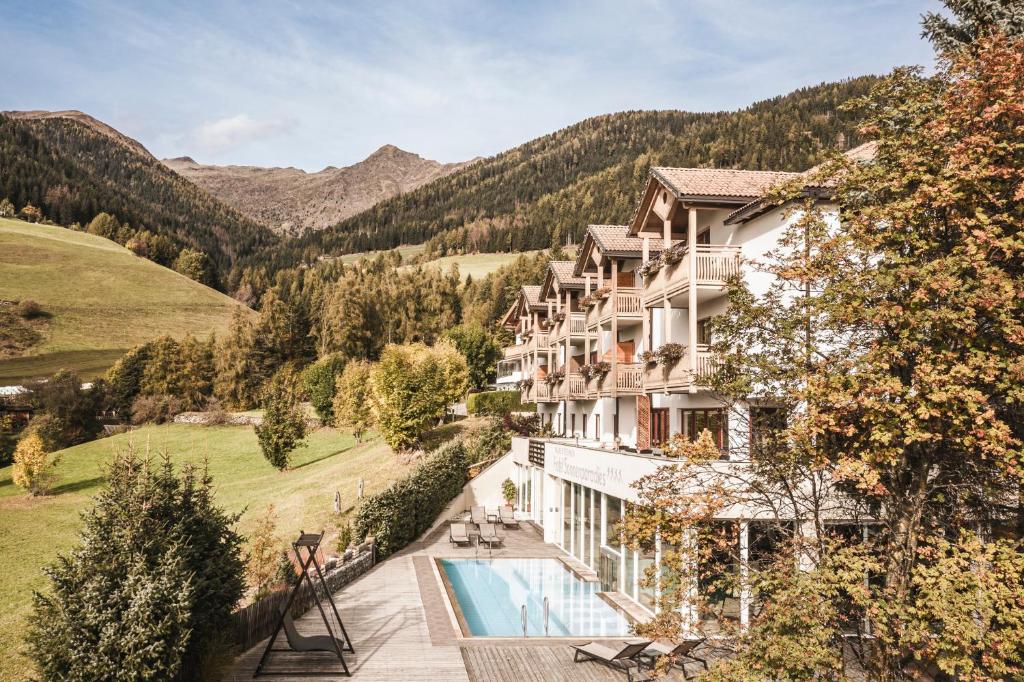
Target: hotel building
point(585, 339)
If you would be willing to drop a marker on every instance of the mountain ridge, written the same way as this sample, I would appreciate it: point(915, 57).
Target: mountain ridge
point(291, 200)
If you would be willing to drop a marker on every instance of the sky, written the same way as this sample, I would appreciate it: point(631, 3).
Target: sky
point(312, 84)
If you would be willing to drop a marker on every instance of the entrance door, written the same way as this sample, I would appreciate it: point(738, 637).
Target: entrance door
point(659, 426)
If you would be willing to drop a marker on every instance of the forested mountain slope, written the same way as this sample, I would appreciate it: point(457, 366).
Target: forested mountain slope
point(72, 171)
point(540, 192)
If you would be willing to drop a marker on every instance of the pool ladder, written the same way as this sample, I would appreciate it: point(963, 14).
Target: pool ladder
point(526, 620)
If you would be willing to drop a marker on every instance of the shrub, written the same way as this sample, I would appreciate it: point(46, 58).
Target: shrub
point(497, 403)
point(29, 310)
point(281, 431)
point(408, 507)
point(155, 409)
point(412, 385)
point(150, 588)
point(6, 208)
point(490, 442)
point(352, 406)
point(523, 425)
point(66, 413)
point(33, 470)
point(263, 554)
point(508, 490)
point(319, 380)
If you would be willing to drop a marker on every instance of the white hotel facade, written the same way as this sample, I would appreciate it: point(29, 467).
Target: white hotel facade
point(582, 339)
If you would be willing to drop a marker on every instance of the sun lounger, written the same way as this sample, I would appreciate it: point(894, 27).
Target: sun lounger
point(623, 657)
point(478, 515)
point(681, 653)
point(507, 517)
point(307, 643)
point(489, 535)
point(458, 534)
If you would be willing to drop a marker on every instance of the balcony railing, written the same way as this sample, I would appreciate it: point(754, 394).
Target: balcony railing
point(629, 378)
point(575, 386)
point(578, 324)
point(715, 265)
point(626, 304)
point(679, 376)
point(514, 352)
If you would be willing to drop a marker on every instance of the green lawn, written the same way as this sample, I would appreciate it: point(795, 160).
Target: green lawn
point(407, 251)
point(101, 297)
point(33, 531)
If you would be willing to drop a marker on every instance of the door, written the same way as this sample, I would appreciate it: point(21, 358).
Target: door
point(626, 349)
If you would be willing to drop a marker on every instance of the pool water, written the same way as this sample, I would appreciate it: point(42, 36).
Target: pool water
point(491, 594)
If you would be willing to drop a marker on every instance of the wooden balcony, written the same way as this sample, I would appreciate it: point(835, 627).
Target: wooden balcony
point(575, 387)
point(678, 377)
point(626, 304)
point(573, 326)
point(629, 378)
point(545, 392)
point(514, 352)
point(715, 265)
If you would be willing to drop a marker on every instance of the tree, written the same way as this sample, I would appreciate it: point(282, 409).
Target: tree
point(31, 213)
point(972, 19)
point(33, 470)
point(67, 414)
point(263, 556)
point(104, 225)
point(281, 431)
point(319, 381)
point(125, 378)
point(196, 265)
point(6, 208)
point(412, 385)
point(481, 350)
point(150, 588)
point(892, 343)
point(352, 401)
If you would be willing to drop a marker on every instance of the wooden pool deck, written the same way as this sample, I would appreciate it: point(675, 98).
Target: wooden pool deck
point(402, 628)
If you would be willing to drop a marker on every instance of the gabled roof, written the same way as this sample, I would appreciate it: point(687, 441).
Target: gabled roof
point(718, 183)
point(562, 272)
point(613, 241)
point(862, 153)
point(531, 296)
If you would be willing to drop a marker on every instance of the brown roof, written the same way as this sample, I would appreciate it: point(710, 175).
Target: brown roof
point(532, 294)
point(563, 272)
point(612, 240)
point(722, 183)
point(861, 153)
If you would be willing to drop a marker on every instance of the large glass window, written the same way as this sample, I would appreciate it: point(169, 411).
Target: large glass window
point(577, 515)
point(612, 516)
point(586, 556)
point(718, 572)
point(608, 570)
point(567, 517)
point(645, 561)
point(696, 421)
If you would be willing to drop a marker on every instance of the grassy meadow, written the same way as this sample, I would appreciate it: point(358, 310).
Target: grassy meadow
point(35, 530)
point(102, 299)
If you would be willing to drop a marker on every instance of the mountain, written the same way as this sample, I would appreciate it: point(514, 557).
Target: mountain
point(72, 167)
point(289, 200)
point(549, 189)
point(98, 299)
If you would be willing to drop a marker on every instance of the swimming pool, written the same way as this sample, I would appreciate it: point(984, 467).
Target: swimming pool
point(491, 594)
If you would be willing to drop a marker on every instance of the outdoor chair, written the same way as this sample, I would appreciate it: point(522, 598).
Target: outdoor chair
point(507, 517)
point(623, 658)
point(489, 535)
point(478, 515)
point(307, 643)
point(458, 534)
point(681, 653)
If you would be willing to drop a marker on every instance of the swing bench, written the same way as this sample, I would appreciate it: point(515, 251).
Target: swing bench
point(331, 642)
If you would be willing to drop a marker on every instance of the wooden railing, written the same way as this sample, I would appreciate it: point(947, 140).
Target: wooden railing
point(628, 303)
point(543, 390)
point(576, 385)
point(717, 263)
point(629, 378)
point(705, 362)
point(578, 324)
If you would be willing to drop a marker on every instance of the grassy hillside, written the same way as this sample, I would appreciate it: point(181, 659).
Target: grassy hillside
point(72, 170)
point(537, 193)
point(35, 530)
point(102, 299)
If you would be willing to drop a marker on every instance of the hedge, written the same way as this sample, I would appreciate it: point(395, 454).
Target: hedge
point(497, 403)
point(398, 515)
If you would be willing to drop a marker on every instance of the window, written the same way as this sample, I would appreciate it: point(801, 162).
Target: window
point(585, 431)
point(615, 422)
point(765, 423)
point(703, 337)
point(715, 421)
point(597, 427)
point(659, 426)
point(704, 236)
point(573, 423)
point(612, 515)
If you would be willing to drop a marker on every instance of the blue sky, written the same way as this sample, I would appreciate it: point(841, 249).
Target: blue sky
point(311, 84)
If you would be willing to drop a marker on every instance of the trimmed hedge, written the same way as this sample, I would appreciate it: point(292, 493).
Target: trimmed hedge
point(497, 403)
point(398, 515)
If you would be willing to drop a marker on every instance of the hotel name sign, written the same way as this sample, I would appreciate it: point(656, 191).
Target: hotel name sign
point(608, 472)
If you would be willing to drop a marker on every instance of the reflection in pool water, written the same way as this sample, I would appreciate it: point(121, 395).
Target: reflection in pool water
point(491, 594)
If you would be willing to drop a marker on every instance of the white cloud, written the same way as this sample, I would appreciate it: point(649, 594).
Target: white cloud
point(216, 137)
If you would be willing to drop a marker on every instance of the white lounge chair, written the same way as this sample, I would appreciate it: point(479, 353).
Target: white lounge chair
point(507, 517)
point(489, 535)
point(623, 658)
point(478, 515)
point(458, 534)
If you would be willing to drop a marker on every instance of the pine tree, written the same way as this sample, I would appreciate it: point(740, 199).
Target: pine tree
point(281, 431)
